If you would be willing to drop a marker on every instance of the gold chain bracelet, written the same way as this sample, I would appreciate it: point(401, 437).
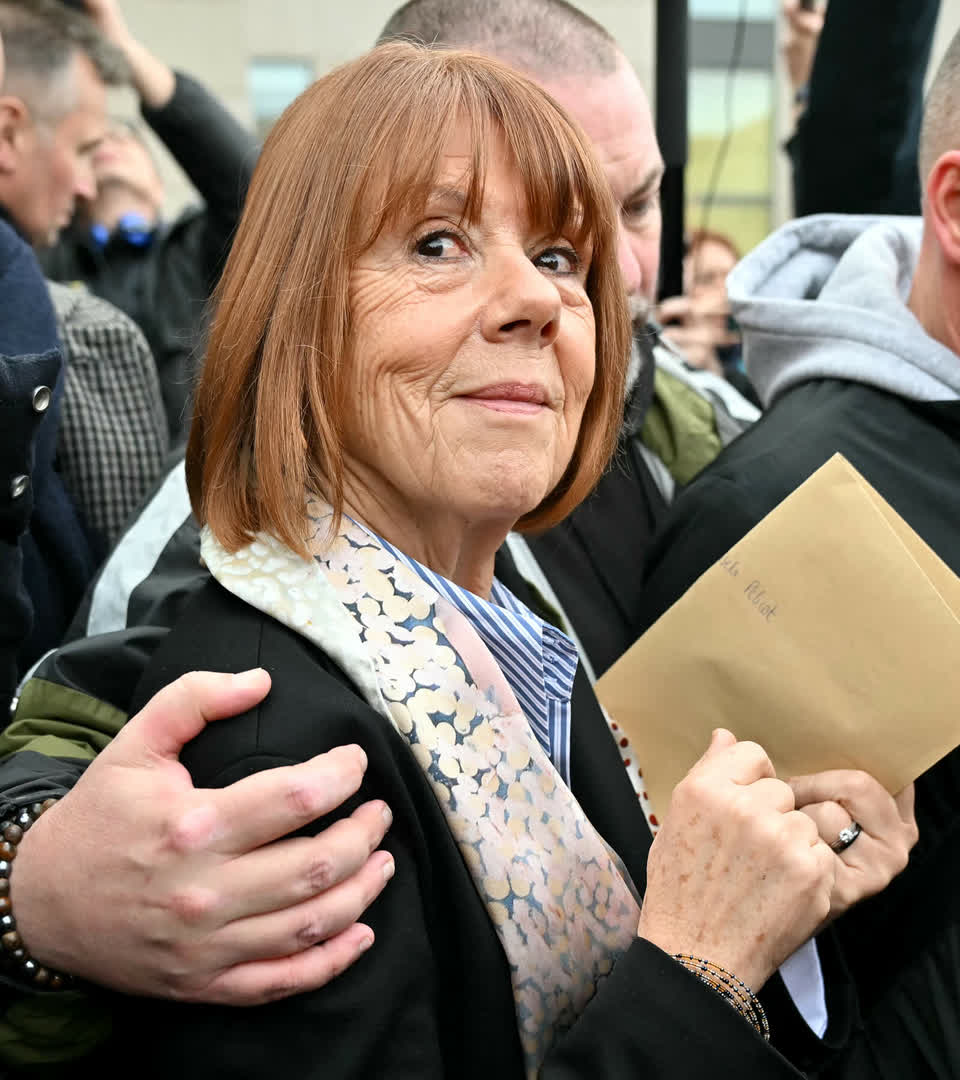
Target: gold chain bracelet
point(729, 987)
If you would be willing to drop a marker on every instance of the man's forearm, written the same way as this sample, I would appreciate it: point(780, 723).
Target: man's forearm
point(216, 153)
point(212, 148)
point(153, 80)
point(855, 146)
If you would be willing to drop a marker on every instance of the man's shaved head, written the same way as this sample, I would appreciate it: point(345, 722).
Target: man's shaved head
point(580, 64)
point(941, 114)
point(547, 39)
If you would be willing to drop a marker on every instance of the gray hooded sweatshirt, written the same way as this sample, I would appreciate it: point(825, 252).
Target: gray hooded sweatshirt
point(826, 297)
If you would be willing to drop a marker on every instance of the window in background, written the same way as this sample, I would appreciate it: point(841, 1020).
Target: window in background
point(272, 84)
point(732, 143)
point(730, 9)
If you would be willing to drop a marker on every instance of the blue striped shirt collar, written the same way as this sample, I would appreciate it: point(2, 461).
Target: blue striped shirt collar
point(538, 661)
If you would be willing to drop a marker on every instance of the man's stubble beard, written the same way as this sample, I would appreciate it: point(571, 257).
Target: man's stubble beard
point(639, 307)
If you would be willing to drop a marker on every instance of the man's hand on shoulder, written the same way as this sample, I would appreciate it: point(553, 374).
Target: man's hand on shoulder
point(139, 882)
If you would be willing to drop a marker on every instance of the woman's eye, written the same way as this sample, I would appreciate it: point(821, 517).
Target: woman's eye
point(440, 246)
point(558, 261)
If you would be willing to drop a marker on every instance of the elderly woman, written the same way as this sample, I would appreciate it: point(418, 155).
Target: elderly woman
point(419, 344)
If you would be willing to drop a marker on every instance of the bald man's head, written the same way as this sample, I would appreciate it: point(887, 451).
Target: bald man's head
point(941, 114)
point(577, 61)
point(548, 39)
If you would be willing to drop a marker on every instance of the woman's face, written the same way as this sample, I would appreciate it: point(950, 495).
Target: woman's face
point(474, 358)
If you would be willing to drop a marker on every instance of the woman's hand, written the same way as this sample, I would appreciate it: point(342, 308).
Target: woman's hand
point(736, 874)
point(835, 799)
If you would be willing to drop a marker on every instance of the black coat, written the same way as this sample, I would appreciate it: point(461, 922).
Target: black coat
point(433, 996)
point(903, 946)
point(46, 555)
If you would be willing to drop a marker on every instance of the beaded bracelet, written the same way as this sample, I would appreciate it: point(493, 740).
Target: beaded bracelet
point(729, 987)
point(14, 957)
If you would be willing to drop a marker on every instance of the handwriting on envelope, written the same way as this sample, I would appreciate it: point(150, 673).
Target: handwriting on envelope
point(829, 634)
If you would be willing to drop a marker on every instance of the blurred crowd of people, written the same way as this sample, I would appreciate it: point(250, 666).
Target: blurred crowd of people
point(164, 870)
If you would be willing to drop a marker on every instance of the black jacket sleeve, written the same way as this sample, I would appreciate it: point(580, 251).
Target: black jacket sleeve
point(855, 147)
point(216, 153)
point(651, 1018)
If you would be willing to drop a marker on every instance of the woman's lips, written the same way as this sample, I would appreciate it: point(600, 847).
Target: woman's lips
point(520, 399)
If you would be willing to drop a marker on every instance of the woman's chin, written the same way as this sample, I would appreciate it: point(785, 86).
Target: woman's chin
point(503, 499)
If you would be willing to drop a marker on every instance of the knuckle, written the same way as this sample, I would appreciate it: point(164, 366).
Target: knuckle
point(739, 821)
point(189, 680)
point(860, 784)
point(193, 905)
point(190, 831)
point(301, 799)
point(808, 829)
point(744, 812)
point(185, 688)
point(754, 753)
point(798, 866)
point(698, 789)
point(321, 874)
point(797, 843)
point(900, 861)
point(312, 933)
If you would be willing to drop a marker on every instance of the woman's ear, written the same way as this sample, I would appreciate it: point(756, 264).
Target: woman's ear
point(943, 204)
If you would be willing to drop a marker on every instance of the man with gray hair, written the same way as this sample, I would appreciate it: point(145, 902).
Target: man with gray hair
point(51, 116)
point(104, 416)
point(52, 112)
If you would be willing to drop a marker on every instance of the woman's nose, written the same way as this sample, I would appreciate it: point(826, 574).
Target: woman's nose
point(525, 306)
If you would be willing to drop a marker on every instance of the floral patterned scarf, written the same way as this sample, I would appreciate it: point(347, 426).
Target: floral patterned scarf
point(559, 898)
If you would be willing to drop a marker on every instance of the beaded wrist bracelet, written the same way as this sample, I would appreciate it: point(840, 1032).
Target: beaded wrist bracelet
point(14, 958)
point(729, 987)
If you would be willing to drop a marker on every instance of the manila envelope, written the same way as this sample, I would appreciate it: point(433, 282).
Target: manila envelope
point(829, 634)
